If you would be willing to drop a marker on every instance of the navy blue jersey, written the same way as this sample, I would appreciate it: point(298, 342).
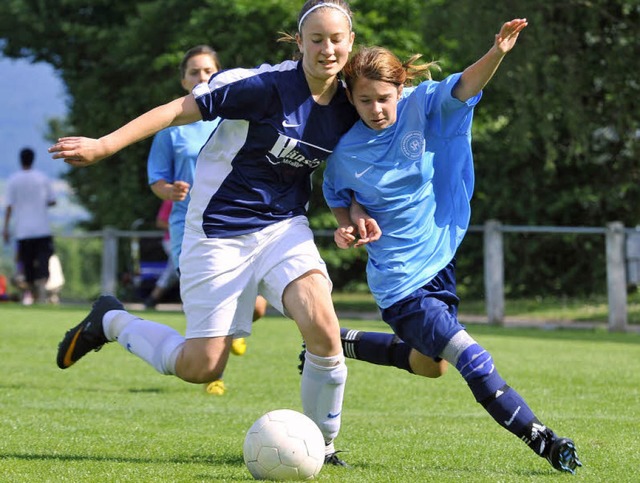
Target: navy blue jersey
point(256, 167)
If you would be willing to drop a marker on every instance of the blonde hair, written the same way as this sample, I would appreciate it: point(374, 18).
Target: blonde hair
point(378, 63)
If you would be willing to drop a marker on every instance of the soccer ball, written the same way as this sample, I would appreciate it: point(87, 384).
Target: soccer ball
point(284, 445)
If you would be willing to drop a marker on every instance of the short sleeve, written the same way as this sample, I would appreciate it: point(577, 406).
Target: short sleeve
point(160, 161)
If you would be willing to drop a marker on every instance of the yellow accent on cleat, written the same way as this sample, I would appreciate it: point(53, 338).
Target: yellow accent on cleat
point(215, 388)
point(239, 346)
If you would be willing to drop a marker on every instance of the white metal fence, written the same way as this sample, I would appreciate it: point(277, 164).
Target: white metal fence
point(622, 247)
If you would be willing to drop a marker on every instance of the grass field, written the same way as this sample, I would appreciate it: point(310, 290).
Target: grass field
point(113, 418)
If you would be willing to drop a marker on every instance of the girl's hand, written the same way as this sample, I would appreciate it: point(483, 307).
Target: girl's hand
point(368, 230)
point(179, 190)
point(343, 236)
point(79, 151)
point(508, 35)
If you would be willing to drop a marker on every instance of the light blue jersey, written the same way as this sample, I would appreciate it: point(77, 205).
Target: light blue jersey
point(415, 178)
point(172, 158)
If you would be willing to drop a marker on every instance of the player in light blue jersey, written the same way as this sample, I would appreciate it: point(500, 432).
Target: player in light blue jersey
point(172, 159)
point(408, 164)
point(246, 230)
point(171, 166)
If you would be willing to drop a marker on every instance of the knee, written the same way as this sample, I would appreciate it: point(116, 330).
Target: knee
point(437, 369)
point(198, 367)
point(425, 366)
point(308, 302)
point(199, 375)
point(305, 292)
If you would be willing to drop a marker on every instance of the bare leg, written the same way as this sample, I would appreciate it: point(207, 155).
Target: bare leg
point(203, 359)
point(422, 365)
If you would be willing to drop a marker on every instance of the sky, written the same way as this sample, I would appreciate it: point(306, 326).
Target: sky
point(30, 94)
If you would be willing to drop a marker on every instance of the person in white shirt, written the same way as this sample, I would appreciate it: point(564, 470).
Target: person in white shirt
point(29, 195)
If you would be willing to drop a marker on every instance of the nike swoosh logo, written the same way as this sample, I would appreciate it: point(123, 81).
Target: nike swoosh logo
point(361, 174)
point(286, 124)
point(67, 357)
point(508, 423)
point(333, 416)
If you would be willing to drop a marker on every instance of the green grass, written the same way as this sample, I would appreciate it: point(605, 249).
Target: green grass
point(112, 418)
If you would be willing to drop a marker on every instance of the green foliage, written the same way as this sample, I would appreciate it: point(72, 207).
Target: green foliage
point(111, 418)
point(555, 137)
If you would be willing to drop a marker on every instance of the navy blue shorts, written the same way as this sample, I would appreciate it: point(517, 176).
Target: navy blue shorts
point(427, 319)
point(34, 254)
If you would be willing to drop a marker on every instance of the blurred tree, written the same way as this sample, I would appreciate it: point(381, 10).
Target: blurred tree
point(555, 137)
point(557, 133)
point(120, 58)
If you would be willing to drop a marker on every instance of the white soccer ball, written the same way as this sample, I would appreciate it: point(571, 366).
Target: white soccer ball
point(284, 445)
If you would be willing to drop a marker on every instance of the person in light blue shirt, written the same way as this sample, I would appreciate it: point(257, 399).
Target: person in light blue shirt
point(171, 166)
point(402, 178)
point(171, 163)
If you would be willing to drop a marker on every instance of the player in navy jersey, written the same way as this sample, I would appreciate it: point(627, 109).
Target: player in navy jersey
point(246, 229)
point(408, 164)
point(171, 165)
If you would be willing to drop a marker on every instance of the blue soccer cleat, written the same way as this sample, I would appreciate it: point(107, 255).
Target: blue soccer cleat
point(563, 455)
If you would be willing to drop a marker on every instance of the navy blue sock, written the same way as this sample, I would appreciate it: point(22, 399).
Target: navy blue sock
point(376, 347)
point(502, 402)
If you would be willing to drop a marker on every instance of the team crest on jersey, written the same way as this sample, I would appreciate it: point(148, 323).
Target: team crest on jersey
point(287, 150)
point(412, 144)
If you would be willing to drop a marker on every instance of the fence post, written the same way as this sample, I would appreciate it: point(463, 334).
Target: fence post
point(494, 271)
point(109, 260)
point(616, 277)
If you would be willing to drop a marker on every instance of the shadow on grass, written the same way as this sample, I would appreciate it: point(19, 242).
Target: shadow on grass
point(148, 390)
point(231, 459)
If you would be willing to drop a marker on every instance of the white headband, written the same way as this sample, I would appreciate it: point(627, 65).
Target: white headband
point(324, 4)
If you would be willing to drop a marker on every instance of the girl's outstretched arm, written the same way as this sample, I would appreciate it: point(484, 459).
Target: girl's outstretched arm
point(81, 151)
point(477, 75)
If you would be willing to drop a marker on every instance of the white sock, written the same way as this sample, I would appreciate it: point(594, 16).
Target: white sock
point(114, 321)
point(155, 343)
point(456, 346)
point(322, 387)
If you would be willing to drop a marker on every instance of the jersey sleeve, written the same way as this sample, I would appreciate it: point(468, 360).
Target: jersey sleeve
point(447, 115)
point(336, 196)
point(160, 163)
point(235, 94)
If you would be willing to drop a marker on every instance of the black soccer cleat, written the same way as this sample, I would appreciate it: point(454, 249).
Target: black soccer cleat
point(334, 460)
point(88, 335)
point(563, 455)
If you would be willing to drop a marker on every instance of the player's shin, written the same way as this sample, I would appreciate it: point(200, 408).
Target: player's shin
point(503, 403)
point(322, 391)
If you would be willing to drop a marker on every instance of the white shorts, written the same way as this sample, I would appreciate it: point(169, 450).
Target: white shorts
point(220, 278)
